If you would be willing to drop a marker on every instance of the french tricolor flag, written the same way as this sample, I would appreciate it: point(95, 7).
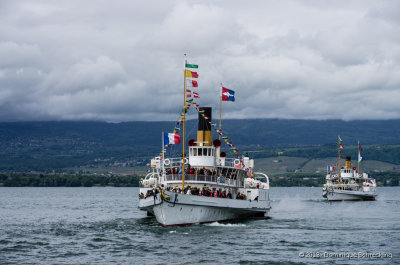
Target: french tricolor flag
point(171, 138)
point(331, 169)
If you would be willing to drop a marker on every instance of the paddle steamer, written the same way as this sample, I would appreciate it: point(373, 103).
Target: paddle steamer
point(347, 183)
point(203, 185)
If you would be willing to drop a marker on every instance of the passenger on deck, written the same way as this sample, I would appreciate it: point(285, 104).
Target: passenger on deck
point(223, 194)
point(215, 193)
point(229, 195)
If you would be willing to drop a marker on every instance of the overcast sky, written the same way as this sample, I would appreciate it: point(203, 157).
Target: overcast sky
point(123, 60)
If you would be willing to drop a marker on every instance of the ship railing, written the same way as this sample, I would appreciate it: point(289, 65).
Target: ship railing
point(174, 162)
point(177, 162)
point(353, 187)
point(151, 179)
point(350, 186)
point(230, 162)
point(177, 178)
point(263, 178)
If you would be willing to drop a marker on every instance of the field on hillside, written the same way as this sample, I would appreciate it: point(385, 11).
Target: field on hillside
point(284, 164)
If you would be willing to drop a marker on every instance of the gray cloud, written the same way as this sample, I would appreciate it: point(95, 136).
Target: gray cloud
point(122, 60)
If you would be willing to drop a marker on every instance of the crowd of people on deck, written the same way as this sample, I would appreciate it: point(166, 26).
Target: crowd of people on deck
point(208, 192)
point(198, 171)
point(205, 191)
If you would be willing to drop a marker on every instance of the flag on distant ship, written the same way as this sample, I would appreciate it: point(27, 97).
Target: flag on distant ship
point(171, 138)
point(188, 65)
point(196, 95)
point(359, 152)
point(340, 143)
point(227, 94)
point(191, 74)
point(331, 169)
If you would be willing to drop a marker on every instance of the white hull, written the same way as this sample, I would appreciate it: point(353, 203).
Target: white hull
point(348, 195)
point(190, 209)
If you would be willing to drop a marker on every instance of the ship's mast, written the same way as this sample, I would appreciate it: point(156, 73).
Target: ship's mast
point(358, 158)
point(184, 121)
point(163, 156)
point(338, 162)
point(220, 111)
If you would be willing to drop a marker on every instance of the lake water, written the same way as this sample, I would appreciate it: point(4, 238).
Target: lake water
point(104, 226)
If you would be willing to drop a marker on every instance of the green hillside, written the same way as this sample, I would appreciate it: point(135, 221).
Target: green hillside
point(125, 148)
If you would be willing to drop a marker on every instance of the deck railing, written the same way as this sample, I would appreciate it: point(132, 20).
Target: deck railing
point(202, 179)
point(177, 162)
point(354, 187)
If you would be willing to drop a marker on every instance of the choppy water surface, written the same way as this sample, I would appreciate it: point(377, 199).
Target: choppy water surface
point(104, 226)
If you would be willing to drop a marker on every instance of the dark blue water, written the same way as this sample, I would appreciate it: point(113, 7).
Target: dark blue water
point(104, 226)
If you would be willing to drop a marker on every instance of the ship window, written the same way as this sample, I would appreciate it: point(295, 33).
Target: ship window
point(199, 151)
point(208, 152)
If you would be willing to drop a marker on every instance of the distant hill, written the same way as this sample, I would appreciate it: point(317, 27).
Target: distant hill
point(48, 145)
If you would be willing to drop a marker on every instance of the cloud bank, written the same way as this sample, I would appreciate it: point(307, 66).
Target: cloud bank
point(123, 60)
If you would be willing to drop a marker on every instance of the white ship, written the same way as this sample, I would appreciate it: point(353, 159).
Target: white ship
point(203, 186)
point(348, 184)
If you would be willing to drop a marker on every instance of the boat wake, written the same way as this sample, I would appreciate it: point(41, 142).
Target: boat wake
point(225, 225)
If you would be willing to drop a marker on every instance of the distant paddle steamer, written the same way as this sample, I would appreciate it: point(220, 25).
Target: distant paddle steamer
point(348, 184)
point(203, 186)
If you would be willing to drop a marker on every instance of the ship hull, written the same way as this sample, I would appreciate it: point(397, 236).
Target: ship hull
point(348, 195)
point(180, 209)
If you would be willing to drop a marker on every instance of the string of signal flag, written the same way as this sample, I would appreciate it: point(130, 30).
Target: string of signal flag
point(227, 95)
